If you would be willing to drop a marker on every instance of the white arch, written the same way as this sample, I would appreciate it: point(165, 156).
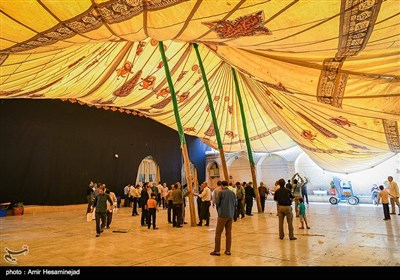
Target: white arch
point(147, 170)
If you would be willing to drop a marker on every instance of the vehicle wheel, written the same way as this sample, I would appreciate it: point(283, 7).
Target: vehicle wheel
point(333, 200)
point(352, 200)
point(358, 200)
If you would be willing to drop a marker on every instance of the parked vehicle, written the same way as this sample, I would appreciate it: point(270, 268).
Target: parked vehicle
point(343, 192)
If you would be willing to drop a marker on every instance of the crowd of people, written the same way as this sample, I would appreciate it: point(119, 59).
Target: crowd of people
point(231, 201)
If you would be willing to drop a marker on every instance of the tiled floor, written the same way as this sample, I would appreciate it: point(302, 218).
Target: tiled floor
point(340, 235)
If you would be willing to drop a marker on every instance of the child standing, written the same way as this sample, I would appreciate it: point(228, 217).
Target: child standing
point(384, 197)
point(152, 210)
point(301, 211)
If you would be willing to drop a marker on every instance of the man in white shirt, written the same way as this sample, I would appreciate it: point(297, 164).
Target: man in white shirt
point(126, 195)
point(394, 195)
point(205, 196)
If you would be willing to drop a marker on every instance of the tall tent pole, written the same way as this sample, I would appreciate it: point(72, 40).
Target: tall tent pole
point(181, 135)
point(246, 135)
point(214, 118)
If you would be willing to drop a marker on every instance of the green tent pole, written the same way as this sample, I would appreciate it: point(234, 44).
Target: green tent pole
point(181, 135)
point(246, 135)
point(214, 118)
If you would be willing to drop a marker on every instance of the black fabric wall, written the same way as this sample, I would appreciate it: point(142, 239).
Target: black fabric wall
point(50, 150)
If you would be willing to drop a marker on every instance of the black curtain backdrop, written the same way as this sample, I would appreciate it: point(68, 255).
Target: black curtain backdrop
point(50, 150)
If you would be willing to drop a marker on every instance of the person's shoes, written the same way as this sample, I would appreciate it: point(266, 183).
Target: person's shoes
point(199, 224)
point(228, 253)
point(107, 227)
point(98, 234)
point(207, 225)
point(250, 215)
point(215, 254)
point(148, 227)
point(281, 238)
point(308, 228)
point(386, 219)
point(179, 226)
point(301, 227)
point(155, 228)
point(294, 238)
point(184, 223)
point(392, 213)
point(399, 214)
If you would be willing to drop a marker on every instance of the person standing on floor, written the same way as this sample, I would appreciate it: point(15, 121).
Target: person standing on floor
point(215, 193)
point(394, 195)
point(302, 213)
point(249, 196)
point(304, 192)
point(126, 195)
point(110, 210)
point(263, 191)
point(198, 200)
point(89, 196)
point(384, 197)
point(170, 204)
point(226, 203)
point(284, 198)
point(177, 202)
point(136, 198)
point(296, 189)
point(276, 187)
point(205, 196)
point(144, 196)
point(240, 195)
point(289, 185)
point(164, 196)
point(100, 203)
point(152, 208)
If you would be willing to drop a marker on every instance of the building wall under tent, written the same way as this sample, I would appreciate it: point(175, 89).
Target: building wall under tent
point(50, 150)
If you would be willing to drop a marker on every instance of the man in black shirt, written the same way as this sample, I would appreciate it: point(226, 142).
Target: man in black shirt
point(89, 192)
point(284, 198)
point(249, 195)
point(289, 185)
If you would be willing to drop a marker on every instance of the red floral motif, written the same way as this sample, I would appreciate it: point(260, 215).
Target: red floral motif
point(184, 96)
point(307, 134)
point(148, 83)
point(140, 47)
point(153, 42)
point(163, 92)
point(127, 68)
point(249, 25)
point(197, 81)
point(181, 75)
point(341, 121)
point(190, 129)
point(210, 131)
point(230, 134)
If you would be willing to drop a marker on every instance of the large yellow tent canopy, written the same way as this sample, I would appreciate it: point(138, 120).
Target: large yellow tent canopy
point(323, 75)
